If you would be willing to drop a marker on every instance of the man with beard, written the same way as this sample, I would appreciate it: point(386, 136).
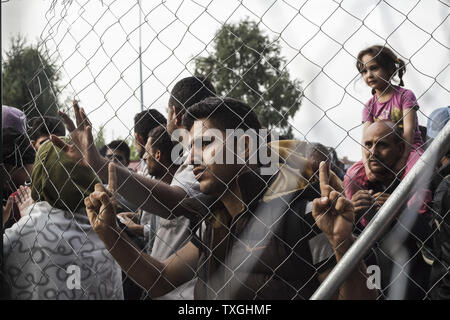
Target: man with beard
point(369, 188)
point(243, 251)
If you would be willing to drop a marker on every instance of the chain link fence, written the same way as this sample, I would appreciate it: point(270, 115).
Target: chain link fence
point(230, 230)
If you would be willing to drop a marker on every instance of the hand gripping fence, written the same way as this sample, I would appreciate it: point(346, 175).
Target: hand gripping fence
point(384, 217)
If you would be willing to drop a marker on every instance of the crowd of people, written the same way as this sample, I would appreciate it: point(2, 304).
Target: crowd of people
point(199, 219)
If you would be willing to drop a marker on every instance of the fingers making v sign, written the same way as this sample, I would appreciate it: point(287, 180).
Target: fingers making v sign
point(334, 214)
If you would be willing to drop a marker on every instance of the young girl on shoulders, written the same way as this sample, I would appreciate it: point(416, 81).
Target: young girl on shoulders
point(379, 66)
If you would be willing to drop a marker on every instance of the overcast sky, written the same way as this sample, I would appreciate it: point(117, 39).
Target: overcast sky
point(96, 43)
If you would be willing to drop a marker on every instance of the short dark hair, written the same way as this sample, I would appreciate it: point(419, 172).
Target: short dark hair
point(189, 91)
point(147, 120)
point(161, 140)
point(102, 151)
point(320, 148)
point(225, 113)
point(121, 146)
point(17, 149)
point(386, 59)
point(45, 126)
point(335, 159)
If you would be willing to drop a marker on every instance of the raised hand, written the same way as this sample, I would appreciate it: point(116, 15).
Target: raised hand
point(100, 205)
point(23, 199)
point(334, 214)
point(82, 149)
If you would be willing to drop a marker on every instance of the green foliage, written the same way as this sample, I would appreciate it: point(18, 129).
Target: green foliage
point(99, 137)
point(246, 64)
point(134, 155)
point(30, 80)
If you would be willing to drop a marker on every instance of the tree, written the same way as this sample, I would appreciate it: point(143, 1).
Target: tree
point(246, 64)
point(99, 137)
point(30, 80)
point(134, 155)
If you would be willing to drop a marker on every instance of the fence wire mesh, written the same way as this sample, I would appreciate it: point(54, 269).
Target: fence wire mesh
point(191, 162)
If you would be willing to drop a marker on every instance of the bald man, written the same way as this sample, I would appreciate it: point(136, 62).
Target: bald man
point(383, 147)
point(369, 187)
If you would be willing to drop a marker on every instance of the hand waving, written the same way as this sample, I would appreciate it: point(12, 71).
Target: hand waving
point(334, 214)
point(83, 148)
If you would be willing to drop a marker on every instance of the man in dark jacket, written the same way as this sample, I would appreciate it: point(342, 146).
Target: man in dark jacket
point(440, 276)
point(440, 185)
point(257, 238)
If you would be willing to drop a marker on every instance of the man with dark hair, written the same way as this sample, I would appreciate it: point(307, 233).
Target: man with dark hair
point(164, 199)
point(118, 151)
point(144, 122)
point(43, 127)
point(151, 195)
point(158, 154)
point(185, 93)
point(316, 153)
point(160, 166)
point(18, 159)
point(369, 189)
point(258, 239)
point(336, 165)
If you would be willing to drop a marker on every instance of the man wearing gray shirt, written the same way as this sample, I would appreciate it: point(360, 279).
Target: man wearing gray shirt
point(174, 233)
